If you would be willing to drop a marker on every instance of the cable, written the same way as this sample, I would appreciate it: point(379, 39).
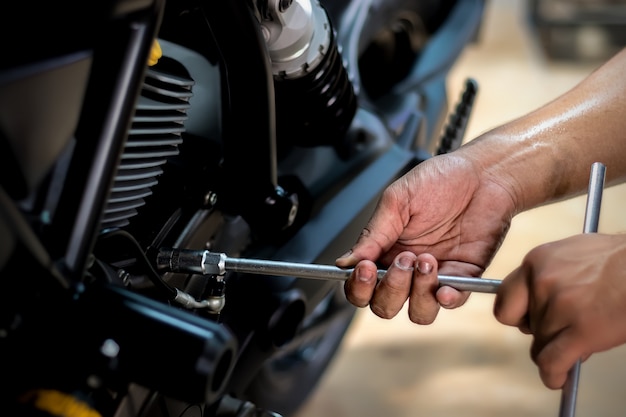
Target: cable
point(153, 275)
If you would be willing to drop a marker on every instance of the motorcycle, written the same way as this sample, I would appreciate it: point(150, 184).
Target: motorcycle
point(138, 136)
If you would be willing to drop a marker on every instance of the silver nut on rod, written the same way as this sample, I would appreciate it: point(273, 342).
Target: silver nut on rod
point(191, 261)
point(214, 263)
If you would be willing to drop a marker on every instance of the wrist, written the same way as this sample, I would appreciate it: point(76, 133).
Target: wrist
point(528, 170)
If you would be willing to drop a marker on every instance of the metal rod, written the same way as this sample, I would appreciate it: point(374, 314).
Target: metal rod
point(328, 272)
point(592, 218)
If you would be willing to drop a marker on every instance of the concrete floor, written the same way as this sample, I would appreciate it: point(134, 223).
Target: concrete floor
point(466, 364)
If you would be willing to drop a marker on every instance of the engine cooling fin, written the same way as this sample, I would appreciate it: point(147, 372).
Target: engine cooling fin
point(154, 136)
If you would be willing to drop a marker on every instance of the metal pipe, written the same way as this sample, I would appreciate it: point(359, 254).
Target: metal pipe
point(592, 218)
point(217, 263)
point(328, 272)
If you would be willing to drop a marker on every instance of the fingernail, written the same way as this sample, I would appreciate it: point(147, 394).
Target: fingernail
point(405, 262)
point(424, 267)
point(364, 276)
point(345, 255)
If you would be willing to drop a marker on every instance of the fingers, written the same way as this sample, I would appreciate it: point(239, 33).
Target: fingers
point(450, 298)
point(556, 346)
point(387, 297)
point(408, 277)
point(557, 357)
point(511, 302)
point(423, 306)
point(393, 290)
point(359, 288)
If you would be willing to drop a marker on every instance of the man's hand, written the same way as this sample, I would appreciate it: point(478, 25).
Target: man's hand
point(444, 216)
point(571, 296)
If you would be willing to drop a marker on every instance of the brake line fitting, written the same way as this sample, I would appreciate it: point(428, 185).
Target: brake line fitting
point(170, 260)
point(214, 303)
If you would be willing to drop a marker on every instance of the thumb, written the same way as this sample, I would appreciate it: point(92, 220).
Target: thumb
point(382, 230)
point(512, 300)
point(364, 248)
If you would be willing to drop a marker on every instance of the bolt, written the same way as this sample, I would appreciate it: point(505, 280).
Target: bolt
point(110, 348)
point(124, 276)
point(210, 199)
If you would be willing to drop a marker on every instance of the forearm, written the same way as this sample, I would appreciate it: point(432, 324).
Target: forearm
point(546, 155)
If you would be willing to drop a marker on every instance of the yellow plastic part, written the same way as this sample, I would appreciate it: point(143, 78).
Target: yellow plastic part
point(155, 53)
point(59, 404)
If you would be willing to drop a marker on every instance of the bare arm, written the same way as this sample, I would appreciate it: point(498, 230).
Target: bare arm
point(545, 155)
point(450, 213)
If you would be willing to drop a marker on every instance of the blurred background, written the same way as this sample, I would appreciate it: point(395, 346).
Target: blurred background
point(466, 364)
